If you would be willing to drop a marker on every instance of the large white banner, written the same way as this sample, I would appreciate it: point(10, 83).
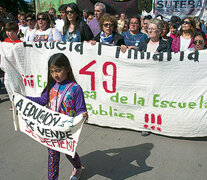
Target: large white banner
point(52, 129)
point(163, 93)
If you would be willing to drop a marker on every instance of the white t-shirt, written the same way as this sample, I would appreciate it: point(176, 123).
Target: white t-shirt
point(59, 25)
point(23, 28)
point(184, 43)
point(28, 33)
point(49, 35)
point(152, 47)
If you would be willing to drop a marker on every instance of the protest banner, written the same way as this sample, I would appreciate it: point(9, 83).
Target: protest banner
point(129, 7)
point(52, 129)
point(164, 93)
point(45, 5)
point(181, 8)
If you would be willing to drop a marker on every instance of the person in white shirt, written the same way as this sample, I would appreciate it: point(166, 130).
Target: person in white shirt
point(59, 24)
point(22, 25)
point(31, 20)
point(44, 31)
point(52, 12)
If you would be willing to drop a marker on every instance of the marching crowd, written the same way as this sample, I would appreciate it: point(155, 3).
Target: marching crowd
point(137, 32)
point(145, 34)
point(72, 25)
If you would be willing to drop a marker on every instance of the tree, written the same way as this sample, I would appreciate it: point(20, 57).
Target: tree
point(16, 5)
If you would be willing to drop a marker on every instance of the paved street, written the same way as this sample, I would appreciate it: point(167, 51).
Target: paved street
point(106, 153)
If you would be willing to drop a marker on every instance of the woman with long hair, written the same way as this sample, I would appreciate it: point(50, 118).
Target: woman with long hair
point(75, 29)
point(184, 37)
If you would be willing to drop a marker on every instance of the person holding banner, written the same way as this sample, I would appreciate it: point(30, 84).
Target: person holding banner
point(199, 41)
point(184, 37)
point(75, 29)
point(64, 95)
point(133, 37)
point(108, 34)
point(155, 43)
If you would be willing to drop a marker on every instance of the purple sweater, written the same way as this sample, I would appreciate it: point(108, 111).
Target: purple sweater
point(94, 26)
point(79, 101)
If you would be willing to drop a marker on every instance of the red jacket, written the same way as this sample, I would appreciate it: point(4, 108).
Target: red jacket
point(176, 44)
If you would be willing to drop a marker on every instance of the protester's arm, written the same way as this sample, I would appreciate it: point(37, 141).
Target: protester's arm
point(79, 101)
point(39, 100)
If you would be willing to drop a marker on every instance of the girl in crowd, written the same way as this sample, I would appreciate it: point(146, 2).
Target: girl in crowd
point(184, 37)
point(75, 29)
point(60, 77)
point(154, 43)
point(165, 32)
point(122, 26)
point(45, 30)
point(199, 41)
point(173, 30)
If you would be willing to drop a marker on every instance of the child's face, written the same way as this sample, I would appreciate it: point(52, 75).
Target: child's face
point(173, 30)
point(22, 21)
point(59, 74)
point(12, 35)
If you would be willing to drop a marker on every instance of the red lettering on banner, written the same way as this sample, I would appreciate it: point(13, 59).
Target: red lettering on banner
point(106, 64)
point(146, 118)
point(153, 122)
point(92, 74)
point(28, 130)
point(60, 143)
point(71, 145)
point(85, 71)
point(28, 80)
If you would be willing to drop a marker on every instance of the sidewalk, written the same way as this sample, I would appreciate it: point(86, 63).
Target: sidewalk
point(106, 153)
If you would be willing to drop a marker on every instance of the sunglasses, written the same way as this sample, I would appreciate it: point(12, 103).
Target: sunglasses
point(44, 19)
point(186, 22)
point(199, 42)
point(71, 12)
point(28, 20)
point(108, 25)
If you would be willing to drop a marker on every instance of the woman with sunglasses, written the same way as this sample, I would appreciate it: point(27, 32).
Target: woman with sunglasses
point(31, 20)
point(45, 30)
point(108, 34)
point(75, 29)
point(184, 37)
point(199, 41)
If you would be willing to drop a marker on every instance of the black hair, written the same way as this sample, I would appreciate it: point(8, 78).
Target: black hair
point(2, 5)
point(147, 17)
point(174, 25)
point(75, 8)
point(138, 19)
point(200, 33)
point(11, 26)
point(62, 7)
point(58, 60)
point(53, 9)
point(175, 19)
point(32, 15)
